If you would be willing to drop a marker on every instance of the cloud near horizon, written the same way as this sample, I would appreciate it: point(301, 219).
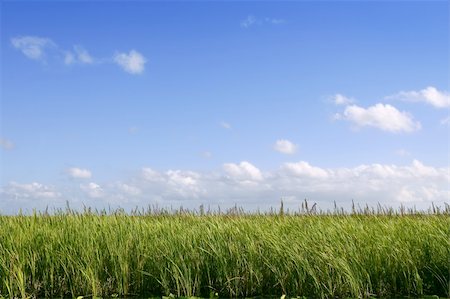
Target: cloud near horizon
point(245, 184)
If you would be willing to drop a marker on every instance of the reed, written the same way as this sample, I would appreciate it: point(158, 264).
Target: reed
point(204, 253)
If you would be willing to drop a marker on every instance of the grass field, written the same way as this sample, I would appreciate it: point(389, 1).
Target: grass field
point(228, 255)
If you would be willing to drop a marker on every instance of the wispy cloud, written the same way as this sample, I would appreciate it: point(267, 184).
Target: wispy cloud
point(33, 47)
point(79, 55)
point(285, 147)
point(225, 125)
point(133, 130)
point(402, 152)
point(40, 48)
point(133, 62)
point(445, 121)
point(430, 95)
point(6, 144)
point(274, 21)
point(339, 99)
point(207, 155)
point(251, 20)
point(381, 116)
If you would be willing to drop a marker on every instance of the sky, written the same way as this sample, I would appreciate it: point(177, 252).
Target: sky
point(143, 103)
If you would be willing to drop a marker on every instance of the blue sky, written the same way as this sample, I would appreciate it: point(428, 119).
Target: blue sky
point(182, 103)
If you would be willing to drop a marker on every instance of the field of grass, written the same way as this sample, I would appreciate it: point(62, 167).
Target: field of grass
point(228, 255)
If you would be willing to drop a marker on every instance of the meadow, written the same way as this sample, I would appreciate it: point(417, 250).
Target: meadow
point(310, 254)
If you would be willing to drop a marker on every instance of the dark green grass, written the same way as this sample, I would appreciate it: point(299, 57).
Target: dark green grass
point(318, 256)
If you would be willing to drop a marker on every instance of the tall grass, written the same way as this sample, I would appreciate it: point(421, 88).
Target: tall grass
point(233, 255)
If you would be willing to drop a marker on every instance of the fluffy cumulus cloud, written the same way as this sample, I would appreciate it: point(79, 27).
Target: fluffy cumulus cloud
point(304, 169)
point(380, 116)
point(174, 184)
point(151, 175)
point(285, 147)
point(128, 189)
point(133, 62)
point(92, 190)
point(430, 95)
point(33, 47)
point(185, 183)
point(6, 144)
point(243, 171)
point(78, 173)
point(244, 184)
point(32, 190)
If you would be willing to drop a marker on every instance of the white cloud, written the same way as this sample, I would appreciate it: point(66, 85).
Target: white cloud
point(285, 147)
point(93, 190)
point(225, 125)
point(184, 183)
point(243, 171)
point(133, 63)
point(33, 190)
point(78, 173)
point(6, 144)
point(38, 48)
point(339, 99)
point(179, 184)
point(80, 55)
point(275, 21)
point(420, 169)
point(246, 185)
point(151, 175)
point(83, 55)
point(69, 58)
point(129, 189)
point(248, 21)
point(429, 95)
point(32, 47)
point(251, 20)
point(303, 168)
point(381, 116)
point(445, 121)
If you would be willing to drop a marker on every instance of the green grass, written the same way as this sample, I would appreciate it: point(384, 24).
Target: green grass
point(235, 255)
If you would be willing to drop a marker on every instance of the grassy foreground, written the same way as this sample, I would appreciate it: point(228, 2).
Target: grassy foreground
point(71, 254)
